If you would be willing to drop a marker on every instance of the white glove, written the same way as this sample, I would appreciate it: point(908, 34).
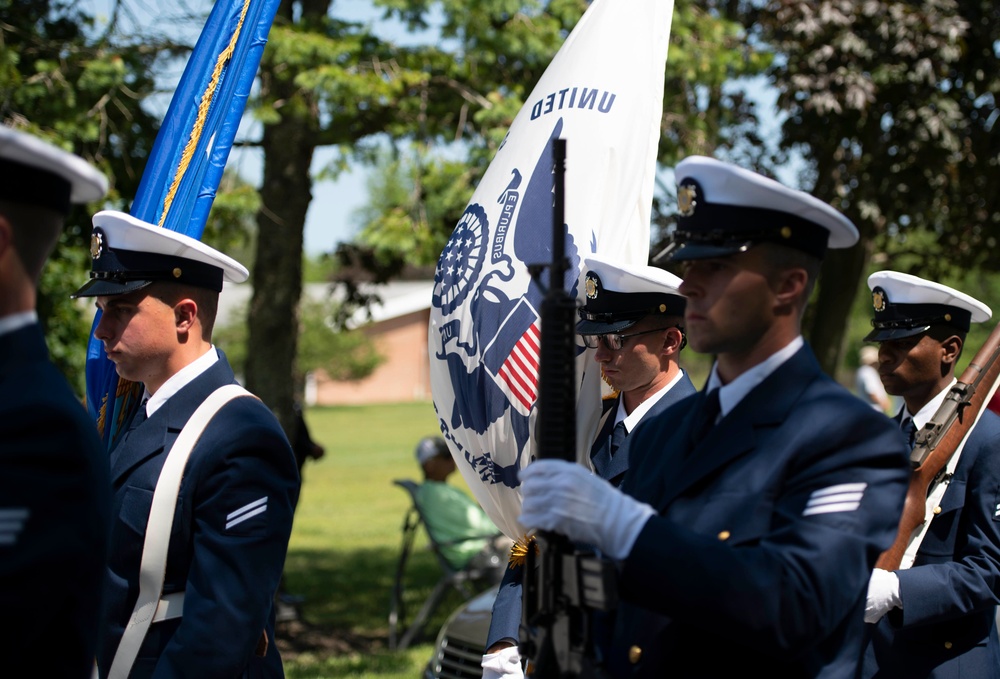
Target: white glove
point(566, 498)
point(883, 595)
point(504, 664)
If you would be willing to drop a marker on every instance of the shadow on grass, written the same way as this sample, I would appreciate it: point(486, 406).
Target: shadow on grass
point(345, 612)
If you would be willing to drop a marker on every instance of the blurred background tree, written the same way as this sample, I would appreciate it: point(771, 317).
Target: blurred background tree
point(886, 109)
point(65, 81)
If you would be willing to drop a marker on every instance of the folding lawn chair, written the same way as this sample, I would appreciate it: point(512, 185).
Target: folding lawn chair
point(461, 577)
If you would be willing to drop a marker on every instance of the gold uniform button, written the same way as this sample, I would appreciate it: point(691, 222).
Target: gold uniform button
point(937, 510)
point(947, 644)
point(724, 535)
point(634, 654)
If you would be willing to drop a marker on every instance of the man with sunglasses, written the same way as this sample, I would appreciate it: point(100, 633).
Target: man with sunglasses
point(752, 512)
point(633, 316)
point(935, 615)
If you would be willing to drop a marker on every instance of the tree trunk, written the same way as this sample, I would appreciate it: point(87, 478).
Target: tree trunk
point(277, 277)
point(285, 193)
point(839, 281)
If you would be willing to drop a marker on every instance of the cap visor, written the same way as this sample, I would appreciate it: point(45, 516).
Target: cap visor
point(101, 288)
point(597, 328)
point(689, 251)
point(887, 334)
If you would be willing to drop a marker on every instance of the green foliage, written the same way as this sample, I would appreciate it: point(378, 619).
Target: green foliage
point(66, 322)
point(495, 53)
point(415, 202)
point(318, 269)
point(892, 106)
point(230, 227)
point(343, 355)
point(82, 92)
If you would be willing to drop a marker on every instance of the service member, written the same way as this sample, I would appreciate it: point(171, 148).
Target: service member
point(158, 292)
point(633, 316)
point(936, 618)
point(752, 512)
point(54, 492)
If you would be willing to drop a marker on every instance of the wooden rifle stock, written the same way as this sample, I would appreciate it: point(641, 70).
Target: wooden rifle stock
point(940, 438)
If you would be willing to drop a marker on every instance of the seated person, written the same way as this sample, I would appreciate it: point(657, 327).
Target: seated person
point(459, 525)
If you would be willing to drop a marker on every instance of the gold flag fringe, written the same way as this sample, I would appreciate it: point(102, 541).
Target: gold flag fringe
point(203, 106)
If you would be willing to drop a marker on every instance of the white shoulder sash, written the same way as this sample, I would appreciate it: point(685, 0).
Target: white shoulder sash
point(158, 527)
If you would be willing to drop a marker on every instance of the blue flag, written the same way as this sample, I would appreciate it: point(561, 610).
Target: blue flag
point(185, 167)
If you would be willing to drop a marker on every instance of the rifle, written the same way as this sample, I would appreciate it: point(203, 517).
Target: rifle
point(939, 439)
point(563, 585)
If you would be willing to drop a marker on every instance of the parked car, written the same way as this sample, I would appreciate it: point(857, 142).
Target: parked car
point(458, 651)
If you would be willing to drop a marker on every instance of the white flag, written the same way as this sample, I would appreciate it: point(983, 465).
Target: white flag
point(603, 93)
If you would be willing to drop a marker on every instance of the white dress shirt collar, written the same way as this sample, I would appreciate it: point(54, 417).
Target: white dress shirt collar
point(925, 414)
point(632, 420)
point(21, 319)
point(179, 380)
point(731, 394)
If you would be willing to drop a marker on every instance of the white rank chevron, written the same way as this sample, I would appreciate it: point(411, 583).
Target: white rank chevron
point(843, 497)
point(246, 511)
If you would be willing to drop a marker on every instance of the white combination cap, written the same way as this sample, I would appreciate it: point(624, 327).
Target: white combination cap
point(618, 296)
point(907, 305)
point(128, 254)
point(724, 209)
point(35, 172)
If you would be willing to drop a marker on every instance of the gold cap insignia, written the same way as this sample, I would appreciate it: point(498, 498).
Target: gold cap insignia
point(591, 287)
point(177, 272)
point(878, 299)
point(687, 195)
point(96, 245)
point(786, 232)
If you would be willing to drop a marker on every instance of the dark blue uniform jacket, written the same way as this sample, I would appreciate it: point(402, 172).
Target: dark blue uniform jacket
point(506, 619)
point(55, 504)
point(768, 528)
point(947, 626)
point(227, 561)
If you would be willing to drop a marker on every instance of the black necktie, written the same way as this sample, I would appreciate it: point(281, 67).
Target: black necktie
point(909, 429)
point(618, 437)
point(138, 418)
point(705, 417)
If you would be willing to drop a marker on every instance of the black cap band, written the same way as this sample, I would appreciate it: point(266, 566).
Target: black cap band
point(746, 226)
point(129, 265)
point(28, 185)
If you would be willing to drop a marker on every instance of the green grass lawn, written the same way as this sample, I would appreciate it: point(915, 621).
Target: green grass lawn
point(345, 545)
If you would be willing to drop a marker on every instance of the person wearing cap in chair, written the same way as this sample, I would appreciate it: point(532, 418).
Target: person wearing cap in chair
point(54, 492)
point(752, 512)
point(633, 316)
point(936, 617)
point(158, 292)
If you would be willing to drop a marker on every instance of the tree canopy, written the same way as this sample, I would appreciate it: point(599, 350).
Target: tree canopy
point(887, 107)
